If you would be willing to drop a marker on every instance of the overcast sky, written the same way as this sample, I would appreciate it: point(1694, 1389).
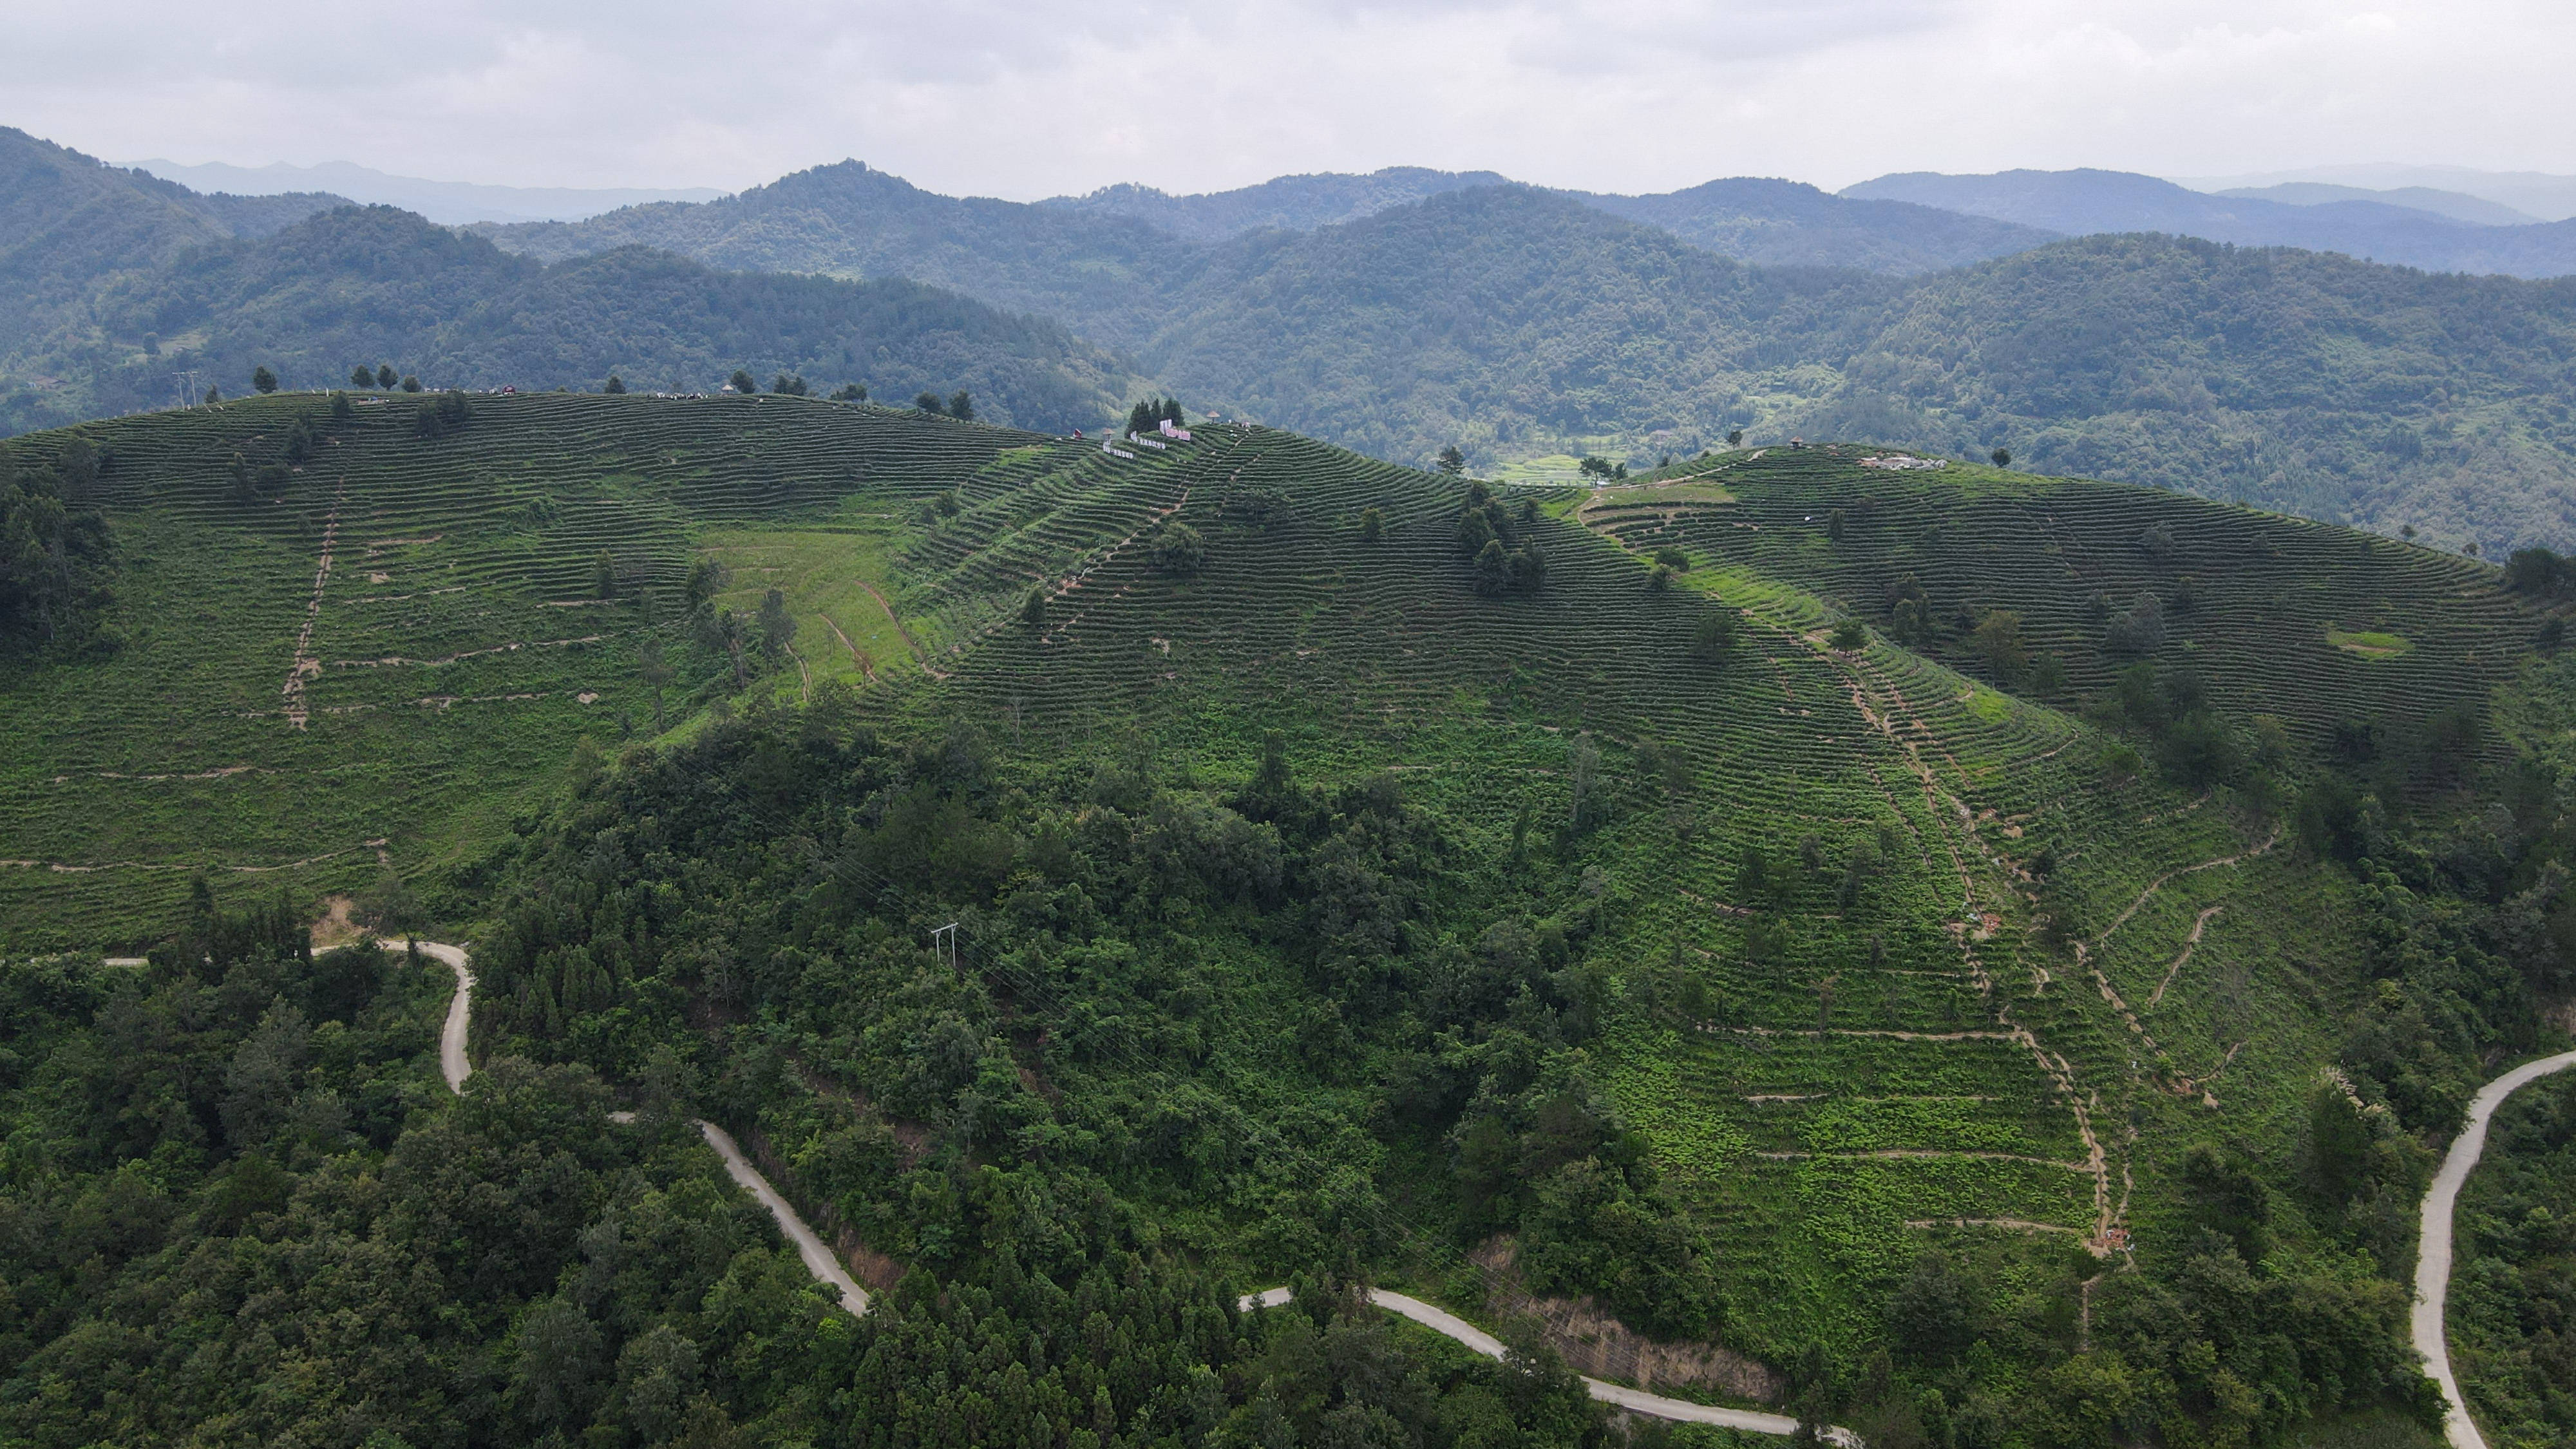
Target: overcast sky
point(1022, 98)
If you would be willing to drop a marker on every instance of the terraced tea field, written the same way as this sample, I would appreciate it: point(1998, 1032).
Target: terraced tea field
point(394, 662)
point(1905, 1066)
point(389, 663)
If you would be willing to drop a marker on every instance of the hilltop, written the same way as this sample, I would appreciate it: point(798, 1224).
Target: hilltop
point(1808, 915)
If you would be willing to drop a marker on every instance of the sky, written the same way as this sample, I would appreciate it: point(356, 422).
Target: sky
point(1030, 98)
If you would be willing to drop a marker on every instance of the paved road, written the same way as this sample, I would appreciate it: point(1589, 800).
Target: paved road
point(2433, 1255)
point(1635, 1401)
point(826, 1266)
point(819, 1260)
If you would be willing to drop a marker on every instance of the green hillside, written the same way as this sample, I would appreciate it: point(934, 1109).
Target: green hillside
point(1887, 1023)
point(389, 657)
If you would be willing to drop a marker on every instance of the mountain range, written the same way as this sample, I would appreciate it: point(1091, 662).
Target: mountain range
point(1397, 313)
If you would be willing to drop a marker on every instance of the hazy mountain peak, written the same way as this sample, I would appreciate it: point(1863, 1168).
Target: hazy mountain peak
point(451, 203)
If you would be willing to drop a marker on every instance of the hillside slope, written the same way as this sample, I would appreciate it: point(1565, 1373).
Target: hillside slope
point(1325, 896)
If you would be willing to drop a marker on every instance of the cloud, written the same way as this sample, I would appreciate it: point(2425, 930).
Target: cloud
point(1024, 99)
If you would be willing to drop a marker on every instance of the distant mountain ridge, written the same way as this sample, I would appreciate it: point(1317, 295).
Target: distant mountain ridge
point(2457, 205)
point(1292, 203)
point(2088, 202)
point(450, 203)
point(1751, 219)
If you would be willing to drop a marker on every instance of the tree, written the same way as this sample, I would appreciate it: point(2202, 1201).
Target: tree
point(2002, 457)
point(411, 383)
point(787, 385)
point(1713, 637)
point(1372, 525)
point(851, 392)
point(603, 576)
point(1582, 769)
point(616, 385)
point(741, 382)
point(1849, 635)
point(705, 579)
point(1033, 611)
point(1178, 549)
point(341, 408)
point(1834, 525)
point(385, 377)
point(961, 406)
point(1671, 556)
point(362, 377)
point(777, 626)
point(1998, 641)
point(1734, 437)
point(263, 379)
point(929, 402)
point(655, 671)
point(1452, 462)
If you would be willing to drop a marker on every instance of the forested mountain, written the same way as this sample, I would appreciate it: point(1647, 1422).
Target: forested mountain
point(376, 286)
point(1512, 322)
point(2081, 203)
point(1789, 223)
point(68, 222)
point(1973, 957)
point(2457, 205)
point(450, 203)
point(1780, 223)
point(1293, 203)
point(1104, 275)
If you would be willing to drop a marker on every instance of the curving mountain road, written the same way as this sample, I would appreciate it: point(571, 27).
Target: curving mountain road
point(2433, 1254)
point(1635, 1401)
point(827, 1269)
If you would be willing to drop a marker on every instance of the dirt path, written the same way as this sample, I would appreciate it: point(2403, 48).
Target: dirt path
point(818, 1259)
point(1635, 1401)
point(2433, 1255)
point(2190, 944)
point(306, 665)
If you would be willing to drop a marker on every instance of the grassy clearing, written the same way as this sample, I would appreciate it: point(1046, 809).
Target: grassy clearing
point(2368, 643)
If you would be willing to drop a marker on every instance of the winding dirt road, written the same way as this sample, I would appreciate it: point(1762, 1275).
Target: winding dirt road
point(2433, 1256)
point(828, 1270)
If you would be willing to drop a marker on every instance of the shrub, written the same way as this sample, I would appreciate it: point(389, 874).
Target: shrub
point(1849, 635)
point(1177, 550)
point(1713, 637)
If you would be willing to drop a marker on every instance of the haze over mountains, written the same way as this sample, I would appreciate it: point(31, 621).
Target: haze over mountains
point(449, 203)
point(1398, 313)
